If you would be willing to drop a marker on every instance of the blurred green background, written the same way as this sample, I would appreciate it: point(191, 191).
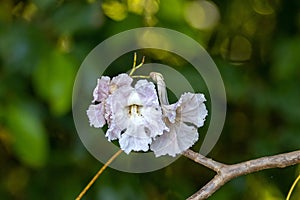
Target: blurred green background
point(255, 44)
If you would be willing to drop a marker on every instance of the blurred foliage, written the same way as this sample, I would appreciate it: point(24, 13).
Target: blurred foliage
point(255, 44)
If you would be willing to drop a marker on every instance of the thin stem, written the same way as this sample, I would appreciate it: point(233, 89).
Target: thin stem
point(292, 188)
point(140, 76)
point(98, 174)
point(141, 64)
point(134, 67)
point(134, 60)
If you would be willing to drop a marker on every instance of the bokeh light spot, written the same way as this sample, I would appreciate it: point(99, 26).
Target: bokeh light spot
point(148, 38)
point(263, 7)
point(136, 6)
point(201, 14)
point(238, 49)
point(64, 43)
point(115, 10)
point(29, 11)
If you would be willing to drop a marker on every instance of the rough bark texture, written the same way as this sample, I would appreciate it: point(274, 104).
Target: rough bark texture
point(226, 172)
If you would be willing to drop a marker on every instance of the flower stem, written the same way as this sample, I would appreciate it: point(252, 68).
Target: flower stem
point(292, 188)
point(98, 174)
point(140, 76)
point(134, 67)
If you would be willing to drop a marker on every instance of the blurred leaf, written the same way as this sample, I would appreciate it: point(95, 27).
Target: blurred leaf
point(122, 192)
point(74, 17)
point(232, 190)
point(29, 136)
point(43, 4)
point(260, 188)
point(171, 10)
point(5, 11)
point(20, 45)
point(53, 81)
point(286, 59)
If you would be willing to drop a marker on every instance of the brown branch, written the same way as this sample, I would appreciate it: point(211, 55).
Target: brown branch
point(226, 173)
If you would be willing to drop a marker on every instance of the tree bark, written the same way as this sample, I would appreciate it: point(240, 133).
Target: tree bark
point(226, 172)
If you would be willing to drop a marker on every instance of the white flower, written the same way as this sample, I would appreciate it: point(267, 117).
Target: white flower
point(182, 118)
point(136, 117)
point(97, 112)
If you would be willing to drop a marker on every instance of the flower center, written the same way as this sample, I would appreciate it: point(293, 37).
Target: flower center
point(134, 110)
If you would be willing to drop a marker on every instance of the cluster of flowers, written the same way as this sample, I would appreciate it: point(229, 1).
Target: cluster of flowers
point(141, 118)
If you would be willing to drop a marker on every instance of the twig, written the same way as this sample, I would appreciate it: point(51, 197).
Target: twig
point(134, 67)
point(292, 188)
point(226, 173)
point(98, 174)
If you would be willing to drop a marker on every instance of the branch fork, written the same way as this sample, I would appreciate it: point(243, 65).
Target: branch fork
point(225, 173)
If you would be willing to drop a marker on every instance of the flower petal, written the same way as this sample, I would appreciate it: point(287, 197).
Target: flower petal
point(134, 99)
point(178, 139)
point(130, 143)
point(120, 81)
point(182, 118)
point(153, 121)
point(192, 109)
point(151, 111)
point(147, 93)
point(169, 111)
point(96, 115)
point(135, 137)
point(101, 91)
point(117, 112)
